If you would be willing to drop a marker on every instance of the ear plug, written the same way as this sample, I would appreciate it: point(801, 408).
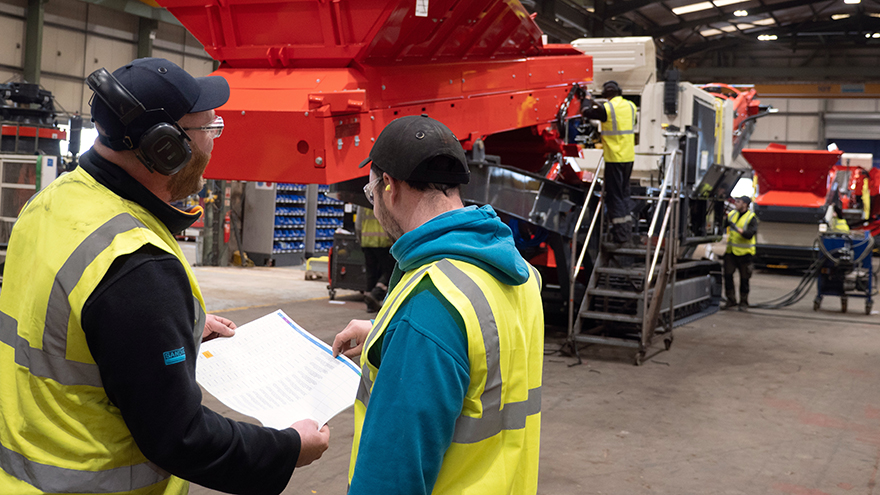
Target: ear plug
point(388, 187)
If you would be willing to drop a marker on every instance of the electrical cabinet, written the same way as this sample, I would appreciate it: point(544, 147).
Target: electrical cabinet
point(286, 223)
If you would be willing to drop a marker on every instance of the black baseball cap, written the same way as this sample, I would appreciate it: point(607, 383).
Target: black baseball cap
point(611, 86)
point(406, 146)
point(745, 199)
point(158, 84)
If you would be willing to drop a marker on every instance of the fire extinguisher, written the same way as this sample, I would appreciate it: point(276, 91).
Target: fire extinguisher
point(226, 229)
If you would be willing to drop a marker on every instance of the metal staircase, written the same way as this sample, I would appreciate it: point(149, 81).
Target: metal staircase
point(630, 297)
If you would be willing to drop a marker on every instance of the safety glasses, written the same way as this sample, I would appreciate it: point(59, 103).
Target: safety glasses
point(368, 189)
point(214, 129)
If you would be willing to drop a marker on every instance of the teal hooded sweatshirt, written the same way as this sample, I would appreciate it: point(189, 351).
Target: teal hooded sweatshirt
point(423, 361)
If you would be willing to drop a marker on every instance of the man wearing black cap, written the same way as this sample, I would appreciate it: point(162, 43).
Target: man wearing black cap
point(449, 400)
point(101, 316)
point(742, 225)
point(618, 117)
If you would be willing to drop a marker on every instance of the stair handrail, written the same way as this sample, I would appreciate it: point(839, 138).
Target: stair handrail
point(666, 179)
point(666, 215)
point(575, 267)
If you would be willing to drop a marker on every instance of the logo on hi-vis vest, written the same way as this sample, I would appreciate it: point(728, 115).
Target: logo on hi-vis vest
point(175, 356)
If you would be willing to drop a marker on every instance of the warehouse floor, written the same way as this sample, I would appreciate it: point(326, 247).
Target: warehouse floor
point(764, 402)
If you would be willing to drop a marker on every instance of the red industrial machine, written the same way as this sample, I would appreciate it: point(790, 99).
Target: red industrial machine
point(746, 108)
point(314, 82)
point(856, 189)
point(30, 149)
point(791, 190)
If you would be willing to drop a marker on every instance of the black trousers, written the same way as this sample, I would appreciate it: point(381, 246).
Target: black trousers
point(618, 203)
point(743, 264)
point(379, 264)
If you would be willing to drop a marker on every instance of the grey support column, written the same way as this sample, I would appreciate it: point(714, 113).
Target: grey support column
point(146, 34)
point(33, 43)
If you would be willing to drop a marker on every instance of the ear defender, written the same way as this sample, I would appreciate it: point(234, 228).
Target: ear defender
point(163, 147)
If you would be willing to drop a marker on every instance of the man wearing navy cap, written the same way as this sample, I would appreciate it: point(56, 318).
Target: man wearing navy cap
point(450, 396)
point(101, 316)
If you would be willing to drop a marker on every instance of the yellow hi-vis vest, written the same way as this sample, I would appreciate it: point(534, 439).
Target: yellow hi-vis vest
point(59, 432)
point(496, 440)
point(737, 244)
point(839, 225)
point(618, 130)
point(372, 233)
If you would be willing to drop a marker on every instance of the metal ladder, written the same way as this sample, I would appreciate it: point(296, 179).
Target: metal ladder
point(627, 297)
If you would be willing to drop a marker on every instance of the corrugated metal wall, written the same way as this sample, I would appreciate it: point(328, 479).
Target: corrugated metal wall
point(79, 38)
point(806, 123)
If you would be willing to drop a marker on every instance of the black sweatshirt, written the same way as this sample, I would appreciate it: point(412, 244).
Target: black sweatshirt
point(143, 308)
point(594, 110)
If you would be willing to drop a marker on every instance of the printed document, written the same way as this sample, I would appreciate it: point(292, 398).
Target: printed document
point(275, 371)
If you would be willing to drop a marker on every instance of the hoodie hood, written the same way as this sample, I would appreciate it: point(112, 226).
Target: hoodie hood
point(471, 234)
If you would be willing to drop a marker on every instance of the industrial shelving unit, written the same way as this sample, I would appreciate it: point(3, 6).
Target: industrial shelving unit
point(328, 213)
point(286, 223)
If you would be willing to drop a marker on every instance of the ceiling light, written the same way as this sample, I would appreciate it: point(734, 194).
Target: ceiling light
point(694, 7)
point(767, 37)
point(744, 27)
point(722, 3)
point(852, 2)
point(710, 32)
point(740, 13)
point(764, 22)
point(875, 35)
point(874, 14)
point(837, 17)
point(728, 29)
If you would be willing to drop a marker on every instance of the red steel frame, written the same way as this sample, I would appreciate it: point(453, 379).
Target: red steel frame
point(314, 82)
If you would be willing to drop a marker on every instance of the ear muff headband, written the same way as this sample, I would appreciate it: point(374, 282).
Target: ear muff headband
point(163, 148)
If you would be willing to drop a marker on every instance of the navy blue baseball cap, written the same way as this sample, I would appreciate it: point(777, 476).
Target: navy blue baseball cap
point(166, 91)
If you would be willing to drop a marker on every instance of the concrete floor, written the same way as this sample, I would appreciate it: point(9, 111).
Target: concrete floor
point(764, 402)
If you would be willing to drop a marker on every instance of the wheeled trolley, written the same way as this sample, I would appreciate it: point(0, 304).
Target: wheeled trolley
point(846, 270)
point(347, 265)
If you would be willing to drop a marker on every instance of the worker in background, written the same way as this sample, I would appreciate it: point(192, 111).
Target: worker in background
point(619, 119)
point(837, 223)
point(742, 228)
point(450, 396)
point(377, 256)
point(101, 316)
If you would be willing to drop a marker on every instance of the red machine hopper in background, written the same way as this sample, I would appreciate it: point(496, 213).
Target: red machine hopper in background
point(314, 82)
point(791, 187)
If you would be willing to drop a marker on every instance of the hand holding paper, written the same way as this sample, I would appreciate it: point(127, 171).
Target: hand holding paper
point(313, 441)
point(356, 333)
point(278, 373)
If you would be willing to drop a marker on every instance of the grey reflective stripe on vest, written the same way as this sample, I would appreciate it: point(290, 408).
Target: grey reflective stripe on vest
point(363, 392)
point(58, 308)
point(494, 419)
point(748, 218)
point(53, 479)
point(42, 364)
point(615, 131)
